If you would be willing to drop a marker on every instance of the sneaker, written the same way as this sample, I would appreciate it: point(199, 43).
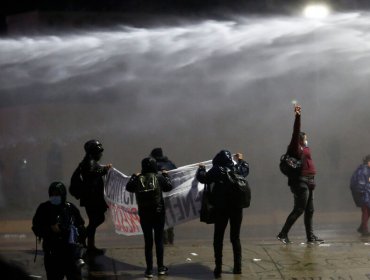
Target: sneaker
point(162, 270)
point(314, 239)
point(283, 238)
point(149, 273)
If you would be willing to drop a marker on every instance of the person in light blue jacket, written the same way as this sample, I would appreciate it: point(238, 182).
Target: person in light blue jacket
point(360, 188)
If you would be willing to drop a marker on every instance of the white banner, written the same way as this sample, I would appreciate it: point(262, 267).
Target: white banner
point(182, 203)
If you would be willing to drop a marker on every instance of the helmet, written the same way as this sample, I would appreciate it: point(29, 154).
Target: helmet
point(93, 147)
point(58, 188)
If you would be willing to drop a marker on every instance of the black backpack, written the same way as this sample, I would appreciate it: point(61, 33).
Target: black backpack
point(148, 193)
point(76, 187)
point(240, 190)
point(290, 166)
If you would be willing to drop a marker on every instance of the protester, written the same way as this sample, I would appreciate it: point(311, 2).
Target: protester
point(163, 163)
point(225, 207)
point(360, 188)
point(60, 226)
point(148, 187)
point(92, 194)
point(302, 184)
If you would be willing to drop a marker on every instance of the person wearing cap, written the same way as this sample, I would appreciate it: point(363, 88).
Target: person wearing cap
point(163, 163)
point(60, 226)
point(360, 188)
point(92, 197)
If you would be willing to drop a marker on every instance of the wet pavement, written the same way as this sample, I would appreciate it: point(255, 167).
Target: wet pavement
point(344, 255)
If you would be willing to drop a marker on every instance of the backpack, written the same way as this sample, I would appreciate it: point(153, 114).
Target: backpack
point(148, 193)
point(290, 166)
point(240, 190)
point(76, 186)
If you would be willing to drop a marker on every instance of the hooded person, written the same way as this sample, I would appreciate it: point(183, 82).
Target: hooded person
point(163, 163)
point(225, 208)
point(148, 187)
point(360, 189)
point(60, 226)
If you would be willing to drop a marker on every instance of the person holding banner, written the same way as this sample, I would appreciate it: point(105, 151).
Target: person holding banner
point(225, 207)
point(148, 187)
point(92, 193)
point(163, 163)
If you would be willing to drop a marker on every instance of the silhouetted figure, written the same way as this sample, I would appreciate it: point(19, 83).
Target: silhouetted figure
point(225, 208)
point(60, 226)
point(360, 188)
point(148, 187)
point(163, 163)
point(302, 185)
point(92, 195)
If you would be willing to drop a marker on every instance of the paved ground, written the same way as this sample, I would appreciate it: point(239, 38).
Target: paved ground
point(343, 256)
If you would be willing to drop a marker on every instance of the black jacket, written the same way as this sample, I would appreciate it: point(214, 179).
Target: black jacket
point(65, 215)
point(165, 164)
point(93, 190)
point(165, 185)
point(216, 178)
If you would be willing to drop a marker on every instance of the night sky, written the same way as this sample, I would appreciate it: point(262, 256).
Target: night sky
point(11, 7)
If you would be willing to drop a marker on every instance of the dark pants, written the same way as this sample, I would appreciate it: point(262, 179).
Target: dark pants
point(60, 264)
point(149, 224)
point(222, 218)
point(96, 217)
point(303, 203)
point(365, 218)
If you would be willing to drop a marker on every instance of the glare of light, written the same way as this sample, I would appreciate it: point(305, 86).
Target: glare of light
point(316, 11)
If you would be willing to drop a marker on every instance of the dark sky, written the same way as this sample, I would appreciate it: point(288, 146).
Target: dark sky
point(9, 6)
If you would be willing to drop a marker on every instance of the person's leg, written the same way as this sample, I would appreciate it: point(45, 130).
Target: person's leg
point(96, 218)
point(158, 238)
point(301, 194)
point(53, 267)
point(72, 269)
point(308, 214)
point(221, 221)
point(236, 218)
point(147, 227)
point(364, 219)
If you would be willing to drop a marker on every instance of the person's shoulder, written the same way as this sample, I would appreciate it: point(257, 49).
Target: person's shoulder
point(44, 207)
point(45, 204)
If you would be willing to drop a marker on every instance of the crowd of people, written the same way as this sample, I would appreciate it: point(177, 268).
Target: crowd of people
point(62, 229)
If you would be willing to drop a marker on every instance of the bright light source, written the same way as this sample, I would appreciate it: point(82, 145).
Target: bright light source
point(317, 11)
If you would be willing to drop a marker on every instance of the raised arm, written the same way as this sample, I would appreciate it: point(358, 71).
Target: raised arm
point(293, 148)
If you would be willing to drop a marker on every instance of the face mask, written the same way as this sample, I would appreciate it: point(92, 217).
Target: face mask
point(55, 200)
